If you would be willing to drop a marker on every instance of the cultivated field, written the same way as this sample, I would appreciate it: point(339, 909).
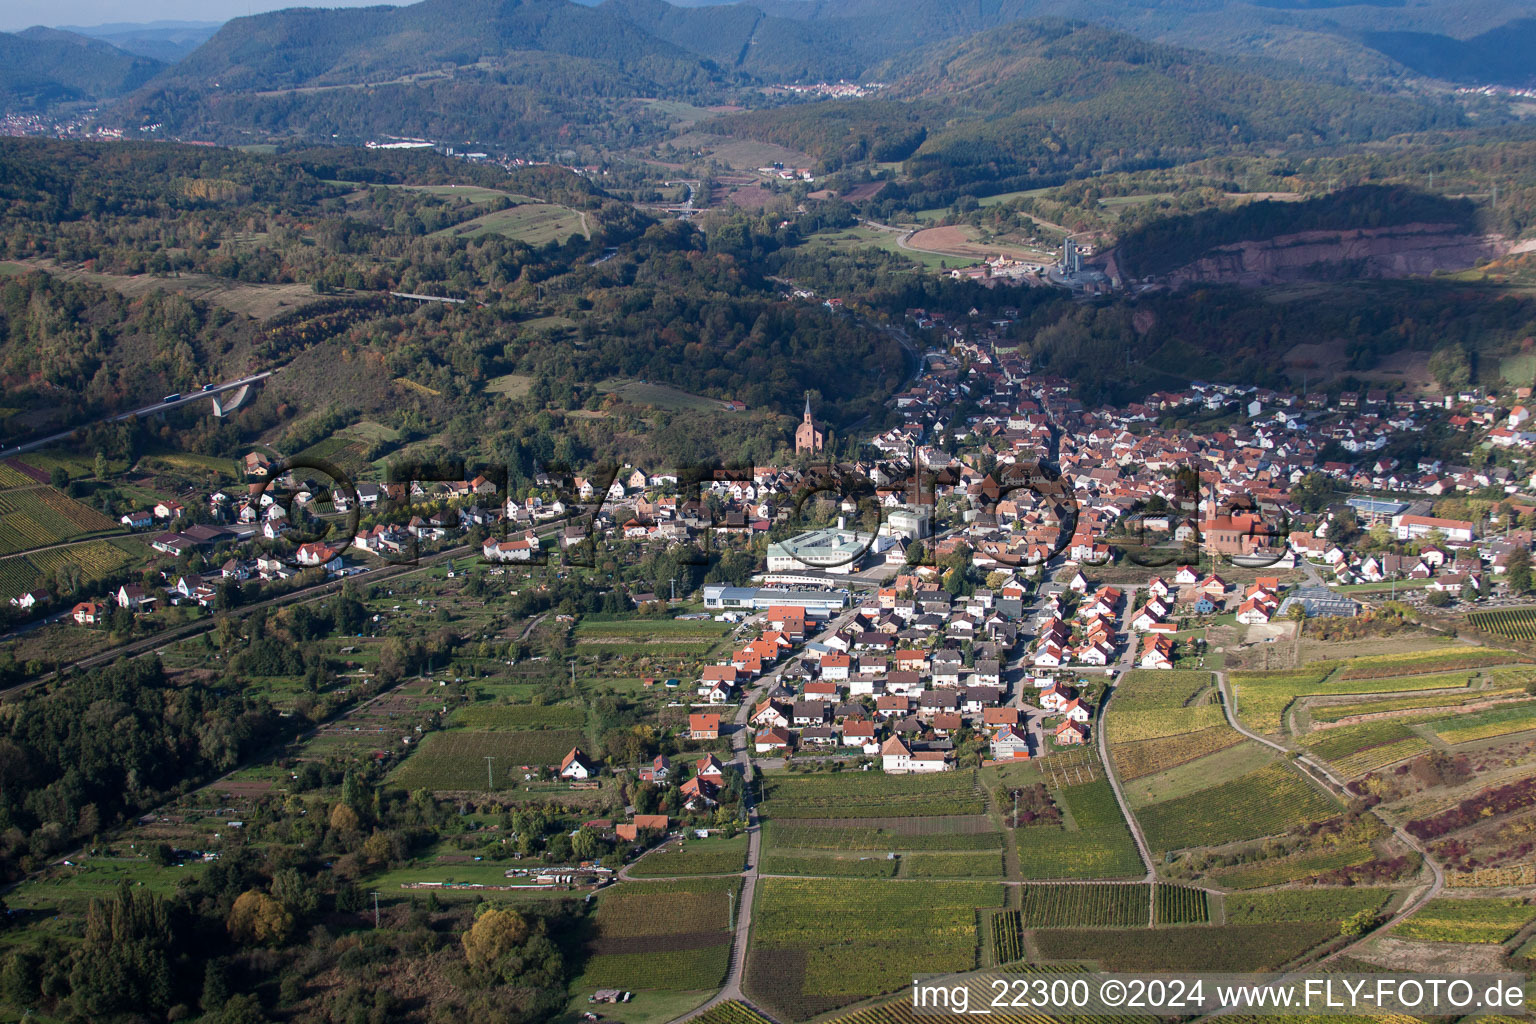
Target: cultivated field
point(1450, 919)
point(38, 516)
point(661, 935)
point(454, 760)
point(885, 932)
point(1263, 802)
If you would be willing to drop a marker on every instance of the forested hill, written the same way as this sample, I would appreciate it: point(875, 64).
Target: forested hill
point(1033, 102)
point(41, 67)
point(1176, 241)
point(312, 47)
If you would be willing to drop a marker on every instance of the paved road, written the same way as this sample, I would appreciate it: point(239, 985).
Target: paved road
point(742, 755)
point(148, 410)
point(1127, 661)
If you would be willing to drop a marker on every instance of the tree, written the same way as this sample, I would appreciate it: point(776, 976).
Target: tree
point(1357, 924)
point(494, 934)
point(1518, 570)
point(59, 477)
point(1438, 599)
point(1450, 366)
point(258, 919)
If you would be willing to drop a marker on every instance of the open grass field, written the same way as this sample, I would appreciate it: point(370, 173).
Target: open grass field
point(454, 760)
point(510, 385)
point(657, 396)
point(1302, 904)
point(1152, 689)
point(886, 931)
point(1233, 947)
point(1262, 802)
point(1482, 725)
point(38, 516)
point(967, 243)
point(63, 888)
point(1449, 919)
point(714, 856)
point(474, 193)
point(863, 237)
point(535, 223)
point(1086, 906)
point(261, 301)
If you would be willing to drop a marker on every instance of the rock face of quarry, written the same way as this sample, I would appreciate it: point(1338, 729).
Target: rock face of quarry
point(1405, 250)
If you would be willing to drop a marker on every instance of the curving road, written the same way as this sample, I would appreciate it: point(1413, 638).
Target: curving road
point(1324, 777)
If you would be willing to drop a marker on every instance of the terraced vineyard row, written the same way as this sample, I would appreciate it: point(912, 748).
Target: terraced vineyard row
point(1088, 906)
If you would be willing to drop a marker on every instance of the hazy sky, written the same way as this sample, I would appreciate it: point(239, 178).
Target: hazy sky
point(19, 14)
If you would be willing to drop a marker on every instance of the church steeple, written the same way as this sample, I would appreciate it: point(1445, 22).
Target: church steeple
point(807, 437)
point(807, 407)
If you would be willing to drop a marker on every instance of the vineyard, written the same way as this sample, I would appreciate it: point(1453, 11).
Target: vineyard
point(1100, 846)
point(1517, 624)
point(1151, 690)
point(1148, 757)
point(900, 1011)
point(868, 795)
point(1331, 905)
point(1419, 662)
point(1087, 906)
point(1132, 726)
point(519, 716)
point(1181, 904)
point(796, 862)
point(1263, 802)
point(1425, 702)
point(41, 516)
point(1366, 746)
point(1450, 919)
point(796, 835)
point(1262, 697)
point(96, 560)
point(1248, 947)
point(1007, 936)
point(886, 932)
point(454, 760)
point(731, 1012)
point(667, 936)
point(1486, 724)
point(952, 865)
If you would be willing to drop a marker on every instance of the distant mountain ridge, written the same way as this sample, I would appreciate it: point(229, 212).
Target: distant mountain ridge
point(43, 67)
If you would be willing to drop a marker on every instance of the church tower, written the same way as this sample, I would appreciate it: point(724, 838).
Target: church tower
point(807, 437)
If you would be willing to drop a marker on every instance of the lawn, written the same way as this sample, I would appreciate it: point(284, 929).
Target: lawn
point(535, 223)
